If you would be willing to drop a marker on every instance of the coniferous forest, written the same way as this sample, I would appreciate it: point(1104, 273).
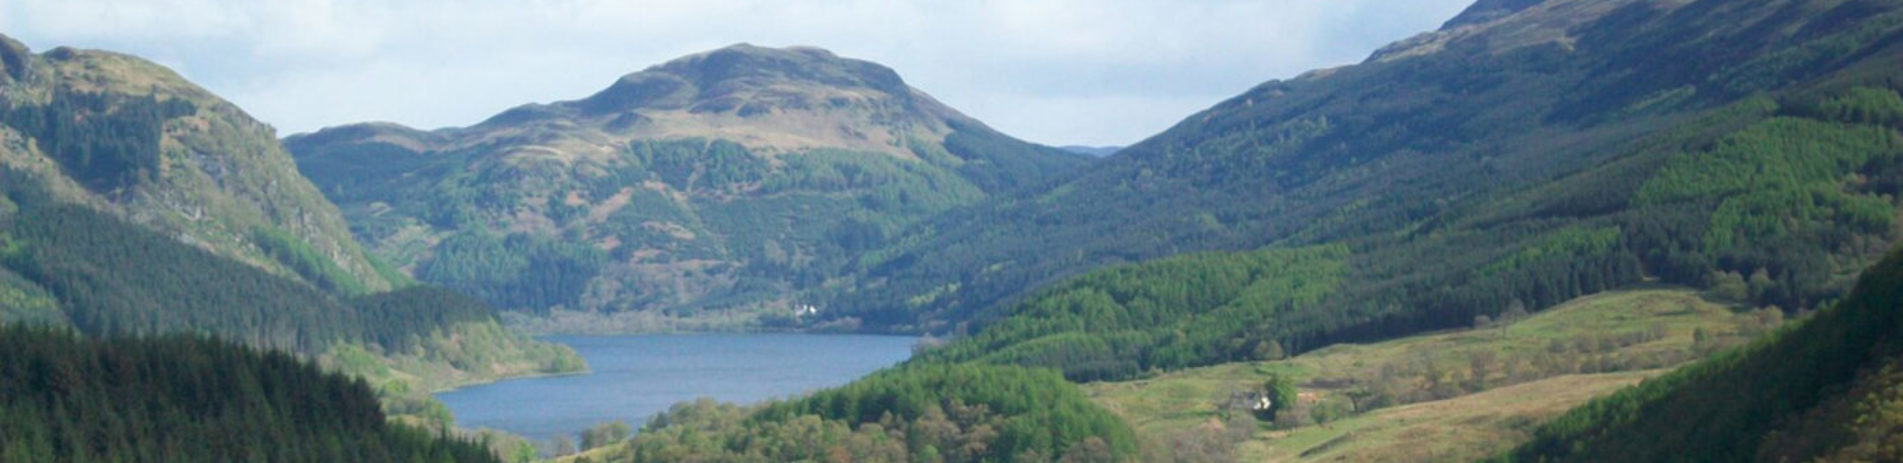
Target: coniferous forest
point(175, 279)
point(191, 398)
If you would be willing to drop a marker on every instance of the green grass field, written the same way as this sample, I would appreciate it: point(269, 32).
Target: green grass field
point(1459, 394)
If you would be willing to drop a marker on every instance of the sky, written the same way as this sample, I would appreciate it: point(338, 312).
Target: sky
point(1058, 72)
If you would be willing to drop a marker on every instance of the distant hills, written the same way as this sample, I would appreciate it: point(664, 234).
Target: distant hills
point(1097, 151)
point(707, 189)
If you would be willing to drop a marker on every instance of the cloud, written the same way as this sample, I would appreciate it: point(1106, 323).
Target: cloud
point(1052, 71)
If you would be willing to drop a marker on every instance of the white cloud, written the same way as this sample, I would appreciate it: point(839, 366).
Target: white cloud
point(1052, 71)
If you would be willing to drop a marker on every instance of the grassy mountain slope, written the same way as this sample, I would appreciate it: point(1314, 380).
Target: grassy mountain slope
point(133, 203)
point(1686, 203)
point(1446, 396)
point(131, 138)
point(1492, 161)
point(76, 267)
point(1824, 389)
point(181, 398)
point(721, 180)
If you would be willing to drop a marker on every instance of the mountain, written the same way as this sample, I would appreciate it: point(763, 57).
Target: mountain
point(130, 138)
point(1825, 390)
point(1528, 151)
point(134, 203)
point(705, 188)
point(1094, 151)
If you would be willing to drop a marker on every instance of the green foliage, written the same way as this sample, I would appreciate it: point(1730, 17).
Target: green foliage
point(191, 399)
point(306, 261)
point(712, 165)
point(943, 413)
point(1563, 244)
point(1777, 154)
point(605, 434)
point(687, 225)
point(103, 140)
point(110, 278)
point(1282, 395)
point(22, 302)
point(1756, 135)
point(398, 319)
point(114, 279)
point(1742, 396)
point(1172, 313)
point(518, 271)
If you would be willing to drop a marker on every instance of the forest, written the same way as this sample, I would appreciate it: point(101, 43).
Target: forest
point(120, 280)
point(1820, 390)
point(191, 398)
point(1775, 204)
point(103, 140)
point(1382, 157)
point(924, 413)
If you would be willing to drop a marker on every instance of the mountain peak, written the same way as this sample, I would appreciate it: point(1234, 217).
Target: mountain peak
point(718, 80)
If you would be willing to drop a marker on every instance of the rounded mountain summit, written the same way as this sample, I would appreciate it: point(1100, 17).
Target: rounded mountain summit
point(696, 194)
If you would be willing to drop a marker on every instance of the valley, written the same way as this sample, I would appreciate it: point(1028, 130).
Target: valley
point(1549, 230)
point(632, 378)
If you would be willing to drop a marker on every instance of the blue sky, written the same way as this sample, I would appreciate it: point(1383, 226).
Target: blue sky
point(1105, 72)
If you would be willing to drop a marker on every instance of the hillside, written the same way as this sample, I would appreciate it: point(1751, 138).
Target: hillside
point(1528, 151)
point(124, 136)
point(1824, 390)
point(934, 413)
point(1446, 396)
point(706, 188)
point(133, 203)
point(191, 399)
point(69, 266)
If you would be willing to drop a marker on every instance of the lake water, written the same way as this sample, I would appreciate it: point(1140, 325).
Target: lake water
point(634, 377)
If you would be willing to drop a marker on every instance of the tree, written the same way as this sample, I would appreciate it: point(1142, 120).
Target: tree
point(1282, 395)
point(1269, 350)
point(1728, 287)
point(561, 446)
point(604, 434)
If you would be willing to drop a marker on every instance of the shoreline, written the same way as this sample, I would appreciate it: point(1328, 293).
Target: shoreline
point(487, 381)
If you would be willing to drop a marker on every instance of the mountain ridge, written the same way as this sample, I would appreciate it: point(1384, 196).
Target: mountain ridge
point(1382, 155)
point(202, 170)
point(720, 180)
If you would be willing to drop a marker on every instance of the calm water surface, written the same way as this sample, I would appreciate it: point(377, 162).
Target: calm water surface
point(634, 377)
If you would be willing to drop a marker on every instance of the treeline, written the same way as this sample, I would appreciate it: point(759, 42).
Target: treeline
point(111, 279)
point(398, 319)
point(186, 398)
point(1757, 203)
point(1471, 150)
point(306, 261)
point(103, 140)
point(527, 272)
point(938, 413)
point(1185, 311)
point(1759, 403)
